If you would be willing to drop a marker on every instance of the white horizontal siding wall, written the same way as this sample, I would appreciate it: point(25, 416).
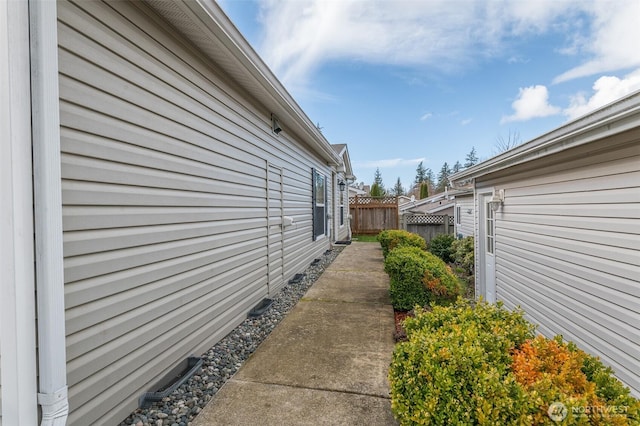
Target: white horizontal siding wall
point(466, 226)
point(164, 167)
point(567, 245)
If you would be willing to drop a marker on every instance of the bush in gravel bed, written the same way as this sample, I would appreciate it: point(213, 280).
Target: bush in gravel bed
point(392, 238)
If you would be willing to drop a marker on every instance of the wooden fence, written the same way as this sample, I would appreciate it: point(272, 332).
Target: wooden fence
point(427, 226)
point(370, 215)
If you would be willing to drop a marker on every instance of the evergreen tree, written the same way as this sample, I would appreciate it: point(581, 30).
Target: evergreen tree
point(431, 178)
point(421, 174)
point(443, 177)
point(456, 167)
point(471, 159)
point(398, 190)
point(377, 189)
point(424, 190)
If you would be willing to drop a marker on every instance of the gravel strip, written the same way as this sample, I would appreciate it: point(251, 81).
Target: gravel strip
point(227, 356)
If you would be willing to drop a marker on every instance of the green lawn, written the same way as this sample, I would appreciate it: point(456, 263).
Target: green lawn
point(365, 238)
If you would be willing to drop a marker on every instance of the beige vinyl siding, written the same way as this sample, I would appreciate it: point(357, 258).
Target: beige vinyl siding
point(567, 244)
point(164, 166)
point(465, 228)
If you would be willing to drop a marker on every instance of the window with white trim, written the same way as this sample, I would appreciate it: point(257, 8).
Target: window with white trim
point(341, 208)
point(319, 190)
point(490, 243)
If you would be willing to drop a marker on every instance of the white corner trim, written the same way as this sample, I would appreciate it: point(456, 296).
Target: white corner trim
point(17, 281)
point(52, 377)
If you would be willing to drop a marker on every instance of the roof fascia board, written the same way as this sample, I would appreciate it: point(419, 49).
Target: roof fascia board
point(214, 23)
point(612, 119)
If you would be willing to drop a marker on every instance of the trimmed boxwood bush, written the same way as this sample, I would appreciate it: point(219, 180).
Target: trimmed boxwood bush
point(392, 238)
point(406, 267)
point(441, 283)
point(452, 369)
point(552, 370)
point(480, 364)
point(419, 278)
point(440, 245)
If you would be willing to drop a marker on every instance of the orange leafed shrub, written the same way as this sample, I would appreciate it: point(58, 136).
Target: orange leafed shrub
point(550, 370)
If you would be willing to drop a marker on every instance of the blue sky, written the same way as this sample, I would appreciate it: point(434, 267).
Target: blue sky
point(426, 80)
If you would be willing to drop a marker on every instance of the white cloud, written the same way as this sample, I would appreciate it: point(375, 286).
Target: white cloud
point(426, 116)
point(612, 44)
point(302, 35)
point(606, 89)
point(466, 121)
point(532, 102)
point(388, 163)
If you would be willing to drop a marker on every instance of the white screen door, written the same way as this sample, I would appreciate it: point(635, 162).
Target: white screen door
point(487, 246)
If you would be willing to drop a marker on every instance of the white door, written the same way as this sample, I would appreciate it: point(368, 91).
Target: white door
point(275, 233)
point(487, 247)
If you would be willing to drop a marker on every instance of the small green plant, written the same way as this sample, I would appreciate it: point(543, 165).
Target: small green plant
point(463, 254)
point(406, 266)
point(440, 245)
point(392, 238)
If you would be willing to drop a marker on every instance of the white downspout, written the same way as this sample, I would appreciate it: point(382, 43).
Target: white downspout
point(52, 394)
point(17, 299)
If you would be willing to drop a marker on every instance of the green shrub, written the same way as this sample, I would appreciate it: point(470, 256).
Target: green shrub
point(467, 364)
point(392, 238)
point(441, 283)
point(440, 245)
point(610, 389)
point(418, 278)
point(453, 369)
point(463, 254)
point(406, 266)
point(552, 370)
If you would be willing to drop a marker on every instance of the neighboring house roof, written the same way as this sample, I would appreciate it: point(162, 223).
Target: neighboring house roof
point(343, 152)
point(434, 203)
point(612, 119)
point(210, 29)
point(356, 191)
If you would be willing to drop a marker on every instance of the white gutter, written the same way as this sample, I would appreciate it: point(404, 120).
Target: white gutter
point(616, 117)
point(52, 375)
point(17, 301)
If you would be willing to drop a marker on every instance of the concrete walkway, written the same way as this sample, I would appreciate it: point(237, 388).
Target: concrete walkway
point(326, 363)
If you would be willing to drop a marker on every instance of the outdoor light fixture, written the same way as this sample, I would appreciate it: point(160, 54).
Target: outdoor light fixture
point(496, 201)
point(275, 125)
point(341, 185)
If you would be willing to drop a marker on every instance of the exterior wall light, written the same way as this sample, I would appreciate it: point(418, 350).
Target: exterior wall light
point(275, 124)
point(497, 200)
point(341, 185)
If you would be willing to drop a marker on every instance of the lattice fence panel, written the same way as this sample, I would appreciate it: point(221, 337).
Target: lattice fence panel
point(419, 219)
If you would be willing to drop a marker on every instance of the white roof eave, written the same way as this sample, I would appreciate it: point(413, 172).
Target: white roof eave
point(206, 25)
point(612, 119)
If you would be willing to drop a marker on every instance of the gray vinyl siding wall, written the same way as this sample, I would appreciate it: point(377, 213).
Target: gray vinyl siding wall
point(466, 226)
point(164, 168)
point(567, 244)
